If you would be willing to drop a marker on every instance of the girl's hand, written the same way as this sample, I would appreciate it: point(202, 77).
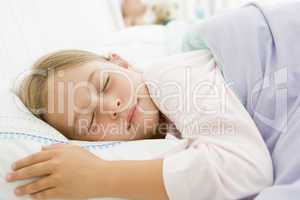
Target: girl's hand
point(64, 171)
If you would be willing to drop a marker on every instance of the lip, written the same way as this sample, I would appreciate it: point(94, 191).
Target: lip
point(131, 113)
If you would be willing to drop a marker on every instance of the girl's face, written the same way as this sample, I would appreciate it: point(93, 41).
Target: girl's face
point(100, 101)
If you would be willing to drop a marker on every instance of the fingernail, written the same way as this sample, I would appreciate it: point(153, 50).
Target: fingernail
point(8, 177)
point(18, 192)
point(13, 166)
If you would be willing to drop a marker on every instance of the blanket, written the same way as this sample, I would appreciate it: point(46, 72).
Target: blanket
point(258, 48)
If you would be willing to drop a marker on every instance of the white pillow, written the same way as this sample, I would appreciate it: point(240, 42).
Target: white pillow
point(142, 44)
point(138, 45)
point(22, 134)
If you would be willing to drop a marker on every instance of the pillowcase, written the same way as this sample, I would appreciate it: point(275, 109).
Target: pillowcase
point(22, 134)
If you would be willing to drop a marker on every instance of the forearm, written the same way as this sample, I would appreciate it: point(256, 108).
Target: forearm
point(142, 180)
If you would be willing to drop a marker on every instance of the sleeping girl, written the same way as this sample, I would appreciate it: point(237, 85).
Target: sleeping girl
point(182, 97)
point(90, 97)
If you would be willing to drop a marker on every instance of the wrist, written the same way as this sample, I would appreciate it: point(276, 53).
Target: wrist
point(104, 185)
point(133, 179)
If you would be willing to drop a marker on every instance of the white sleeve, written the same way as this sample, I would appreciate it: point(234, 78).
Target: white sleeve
point(227, 157)
point(226, 167)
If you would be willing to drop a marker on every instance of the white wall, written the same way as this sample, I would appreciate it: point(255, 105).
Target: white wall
point(31, 28)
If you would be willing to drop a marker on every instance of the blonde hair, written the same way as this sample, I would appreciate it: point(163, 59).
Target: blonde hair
point(33, 90)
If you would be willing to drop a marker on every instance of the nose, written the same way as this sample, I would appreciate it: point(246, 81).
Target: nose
point(116, 108)
point(109, 106)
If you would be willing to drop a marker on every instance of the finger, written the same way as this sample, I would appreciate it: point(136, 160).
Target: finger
point(31, 160)
point(39, 169)
point(54, 146)
point(36, 186)
point(59, 146)
point(46, 194)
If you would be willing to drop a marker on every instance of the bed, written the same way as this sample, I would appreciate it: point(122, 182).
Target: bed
point(32, 28)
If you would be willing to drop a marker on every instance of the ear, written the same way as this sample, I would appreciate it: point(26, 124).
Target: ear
point(116, 59)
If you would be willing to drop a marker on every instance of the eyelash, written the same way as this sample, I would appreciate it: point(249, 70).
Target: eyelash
point(104, 88)
point(92, 119)
point(106, 84)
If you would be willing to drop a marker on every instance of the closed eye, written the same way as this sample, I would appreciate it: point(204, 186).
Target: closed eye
point(106, 83)
point(92, 120)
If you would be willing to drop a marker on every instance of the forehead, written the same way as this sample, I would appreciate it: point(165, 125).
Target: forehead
point(76, 73)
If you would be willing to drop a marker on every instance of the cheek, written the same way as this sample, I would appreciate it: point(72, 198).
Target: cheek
point(125, 93)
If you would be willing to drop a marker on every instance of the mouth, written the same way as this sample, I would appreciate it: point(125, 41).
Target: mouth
point(130, 115)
